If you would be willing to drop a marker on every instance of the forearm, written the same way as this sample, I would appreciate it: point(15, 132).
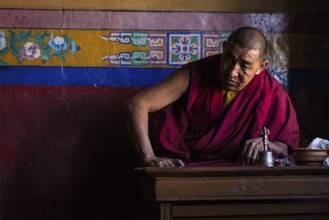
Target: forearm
point(150, 100)
point(137, 126)
point(278, 147)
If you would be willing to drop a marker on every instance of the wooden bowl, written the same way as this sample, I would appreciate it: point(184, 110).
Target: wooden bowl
point(310, 157)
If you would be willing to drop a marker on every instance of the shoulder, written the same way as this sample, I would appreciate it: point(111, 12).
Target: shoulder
point(204, 62)
point(272, 88)
point(204, 70)
point(271, 81)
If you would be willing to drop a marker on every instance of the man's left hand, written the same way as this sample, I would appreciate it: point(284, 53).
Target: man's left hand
point(250, 151)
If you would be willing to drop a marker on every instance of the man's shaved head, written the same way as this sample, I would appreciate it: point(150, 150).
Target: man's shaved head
point(249, 37)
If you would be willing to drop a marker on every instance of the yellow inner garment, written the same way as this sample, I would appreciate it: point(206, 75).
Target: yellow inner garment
point(229, 96)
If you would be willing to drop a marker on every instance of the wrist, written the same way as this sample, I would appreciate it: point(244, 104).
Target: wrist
point(148, 157)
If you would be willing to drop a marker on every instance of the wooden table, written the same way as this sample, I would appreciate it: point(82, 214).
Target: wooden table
point(248, 192)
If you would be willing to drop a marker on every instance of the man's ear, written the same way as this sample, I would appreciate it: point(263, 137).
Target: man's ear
point(263, 66)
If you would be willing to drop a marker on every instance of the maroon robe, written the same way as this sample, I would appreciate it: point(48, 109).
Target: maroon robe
point(197, 129)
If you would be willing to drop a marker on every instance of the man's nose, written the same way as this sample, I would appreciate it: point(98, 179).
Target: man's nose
point(234, 70)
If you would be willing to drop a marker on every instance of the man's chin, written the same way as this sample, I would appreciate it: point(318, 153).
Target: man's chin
point(231, 88)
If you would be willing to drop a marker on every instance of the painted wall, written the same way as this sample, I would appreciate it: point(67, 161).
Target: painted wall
point(67, 67)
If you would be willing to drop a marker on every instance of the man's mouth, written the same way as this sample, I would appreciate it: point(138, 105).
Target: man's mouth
point(231, 82)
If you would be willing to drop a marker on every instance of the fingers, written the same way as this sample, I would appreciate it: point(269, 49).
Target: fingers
point(178, 163)
point(164, 162)
point(250, 151)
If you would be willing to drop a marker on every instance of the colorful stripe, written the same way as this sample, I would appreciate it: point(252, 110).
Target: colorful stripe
point(150, 49)
point(111, 45)
point(297, 6)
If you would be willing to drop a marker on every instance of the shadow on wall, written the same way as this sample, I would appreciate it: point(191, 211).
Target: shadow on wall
point(308, 88)
point(65, 154)
point(310, 96)
point(302, 70)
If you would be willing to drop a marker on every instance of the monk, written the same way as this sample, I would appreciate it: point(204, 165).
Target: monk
point(211, 111)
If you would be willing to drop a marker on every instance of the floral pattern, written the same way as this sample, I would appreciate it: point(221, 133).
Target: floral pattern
point(2, 40)
point(2, 47)
point(25, 46)
point(57, 43)
point(184, 48)
point(30, 51)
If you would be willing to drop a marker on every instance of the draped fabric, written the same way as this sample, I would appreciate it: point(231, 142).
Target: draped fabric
point(198, 130)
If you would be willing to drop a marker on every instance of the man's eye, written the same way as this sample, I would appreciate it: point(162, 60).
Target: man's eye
point(245, 66)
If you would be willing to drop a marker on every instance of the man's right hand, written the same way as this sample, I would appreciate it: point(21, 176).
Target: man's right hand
point(154, 161)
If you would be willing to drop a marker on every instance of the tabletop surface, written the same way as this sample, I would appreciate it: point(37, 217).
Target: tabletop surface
point(232, 171)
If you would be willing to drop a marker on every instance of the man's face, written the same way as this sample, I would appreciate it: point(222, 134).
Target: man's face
point(239, 66)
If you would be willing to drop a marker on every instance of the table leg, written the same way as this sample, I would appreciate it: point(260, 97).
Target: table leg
point(165, 209)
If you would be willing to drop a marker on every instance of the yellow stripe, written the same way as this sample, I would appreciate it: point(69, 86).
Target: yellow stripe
point(287, 50)
point(297, 6)
point(93, 48)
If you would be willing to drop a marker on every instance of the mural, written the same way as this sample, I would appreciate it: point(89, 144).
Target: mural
point(125, 49)
point(162, 50)
point(155, 52)
point(26, 45)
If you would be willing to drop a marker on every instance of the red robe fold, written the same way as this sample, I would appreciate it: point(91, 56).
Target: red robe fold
point(197, 129)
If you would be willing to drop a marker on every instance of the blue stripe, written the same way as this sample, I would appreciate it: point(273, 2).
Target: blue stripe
point(107, 76)
point(91, 76)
